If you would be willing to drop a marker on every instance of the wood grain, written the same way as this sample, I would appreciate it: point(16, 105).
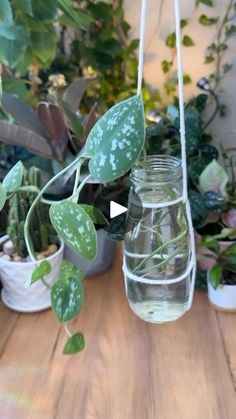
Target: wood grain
point(129, 369)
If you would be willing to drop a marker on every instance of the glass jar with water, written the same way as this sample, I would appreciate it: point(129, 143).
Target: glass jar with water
point(157, 255)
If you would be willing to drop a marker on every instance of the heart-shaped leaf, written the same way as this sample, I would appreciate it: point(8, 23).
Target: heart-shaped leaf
point(3, 196)
point(43, 269)
point(95, 214)
point(116, 140)
point(75, 343)
point(215, 275)
point(75, 227)
point(67, 297)
point(213, 178)
point(13, 179)
point(68, 269)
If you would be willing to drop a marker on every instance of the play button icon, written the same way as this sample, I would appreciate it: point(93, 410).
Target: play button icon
point(116, 209)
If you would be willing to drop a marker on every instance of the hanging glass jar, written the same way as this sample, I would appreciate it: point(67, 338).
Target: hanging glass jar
point(157, 246)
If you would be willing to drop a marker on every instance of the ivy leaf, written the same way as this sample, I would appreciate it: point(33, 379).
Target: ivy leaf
point(171, 40)
point(68, 269)
point(206, 2)
point(95, 214)
point(3, 196)
point(13, 179)
point(207, 21)
point(215, 275)
point(75, 227)
point(75, 343)
point(209, 59)
point(67, 297)
point(43, 269)
point(183, 23)
point(187, 41)
point(6, 12)
point(187, 79)
point(166, 66)
point(116, 140)
point(44, 44)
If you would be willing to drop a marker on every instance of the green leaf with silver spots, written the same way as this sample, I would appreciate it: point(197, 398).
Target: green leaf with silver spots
point(43, 269)
point(75, 227)
point(75, 344)
point(3, 196)
point(115, 142)
point(68, 269)
point(13, 179)
point(67, 297)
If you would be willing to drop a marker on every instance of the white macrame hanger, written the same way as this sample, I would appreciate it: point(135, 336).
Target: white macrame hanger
point(191, 268)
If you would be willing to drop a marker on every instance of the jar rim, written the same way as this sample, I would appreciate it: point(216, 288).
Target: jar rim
point(157, 168)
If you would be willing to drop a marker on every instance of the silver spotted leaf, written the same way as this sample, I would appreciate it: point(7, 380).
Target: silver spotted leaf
point(3, 196)
point(67, 298)
point(75, 344)
point(75, 227)
point(116, 140)
point(13, 179)
point(68, 269)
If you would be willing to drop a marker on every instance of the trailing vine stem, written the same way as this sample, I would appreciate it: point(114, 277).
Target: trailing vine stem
point(35, 202)
point(220, 54)
point(159, 249)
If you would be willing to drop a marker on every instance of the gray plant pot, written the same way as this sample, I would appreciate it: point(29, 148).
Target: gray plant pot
point(103, 260)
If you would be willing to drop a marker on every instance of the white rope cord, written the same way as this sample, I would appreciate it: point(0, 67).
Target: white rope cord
point(181, 98)
point(183, 147)
point(191, 267)
point(130, 275)
point(141, 46)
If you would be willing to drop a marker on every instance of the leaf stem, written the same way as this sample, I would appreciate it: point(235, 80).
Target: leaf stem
point(67, 330)
point(35, 202)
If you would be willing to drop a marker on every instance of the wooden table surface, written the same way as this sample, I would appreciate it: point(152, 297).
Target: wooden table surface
point(129, 369)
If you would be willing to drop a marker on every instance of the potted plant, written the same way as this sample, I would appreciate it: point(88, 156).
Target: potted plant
point(216, 240)
point(112, 147)
point(58, 132)
point(15, 266)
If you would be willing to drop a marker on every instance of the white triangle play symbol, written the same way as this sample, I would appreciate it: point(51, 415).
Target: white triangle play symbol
point(116, 209)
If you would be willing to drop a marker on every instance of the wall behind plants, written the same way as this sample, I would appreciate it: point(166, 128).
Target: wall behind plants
point(160, 23)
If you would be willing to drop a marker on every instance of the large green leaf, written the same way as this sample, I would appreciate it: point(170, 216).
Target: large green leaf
point(5, 12)
point(25, 6)
point(13, 41)
point(13, 32)
point(13, 179)
point(44, 45)
point(75, 17)
point(44, 10)
point(75, 227)
point(116, 140)
point(67, 297)
point(3, 196)
point(74, 344)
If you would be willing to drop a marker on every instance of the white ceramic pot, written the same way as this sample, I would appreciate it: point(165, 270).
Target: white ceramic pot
point(223, 298)
point(27, 298)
